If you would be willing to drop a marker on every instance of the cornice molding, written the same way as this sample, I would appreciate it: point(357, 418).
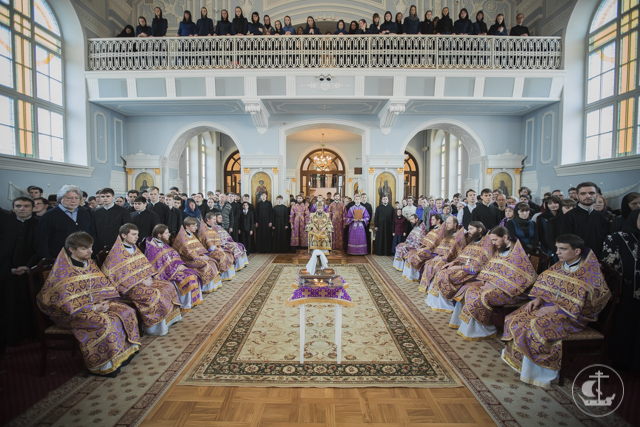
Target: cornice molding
point(25, 164)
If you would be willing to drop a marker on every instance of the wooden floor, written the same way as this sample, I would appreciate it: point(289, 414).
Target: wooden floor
point(283, 407)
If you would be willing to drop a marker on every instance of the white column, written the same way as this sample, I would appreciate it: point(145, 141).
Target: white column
point(212, 161)
point(452, 162)
point(194, 164)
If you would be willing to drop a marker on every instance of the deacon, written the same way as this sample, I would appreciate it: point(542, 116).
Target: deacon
point(383, 225)
point(195, 256)
point(415, 258)
point(77, 295)
point(419, 229)
point(337, 215)
point(298, 219)
point(502, 281)
point(171, 267)
point(238, 249)
point(130, 271)
point(264, 221)
point(212, 242)
point(464, 268)
point(566, 297)
point(280, 227)
point(449, 248)
point(357, 220)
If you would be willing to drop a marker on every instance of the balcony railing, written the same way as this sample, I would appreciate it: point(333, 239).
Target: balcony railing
point(363, 51)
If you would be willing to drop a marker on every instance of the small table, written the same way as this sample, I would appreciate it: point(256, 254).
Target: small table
point(336, 295)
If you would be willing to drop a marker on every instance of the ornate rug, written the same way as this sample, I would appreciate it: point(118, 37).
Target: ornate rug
point(125, 400)
point(258, 345)
point(496, 385)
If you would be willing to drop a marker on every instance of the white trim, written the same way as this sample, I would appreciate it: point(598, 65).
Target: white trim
point(528, 141)
point(95, 138)
point(24, 164)
point(552, 136)
point(447, 125)
point(117, 159)
point(618, 164)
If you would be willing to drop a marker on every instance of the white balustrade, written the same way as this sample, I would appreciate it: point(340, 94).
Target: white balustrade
point(337, 51)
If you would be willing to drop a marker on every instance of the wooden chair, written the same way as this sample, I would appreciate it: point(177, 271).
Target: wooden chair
point(142, 245)
point(52, 337)
point(102, 256)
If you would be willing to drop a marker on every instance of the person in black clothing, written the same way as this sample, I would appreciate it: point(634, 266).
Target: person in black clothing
point(551, 210)
point(264, 222)
point(399, 24)
point(311, 27)
point(484, 212)
point(426, 26)
point(445, 24)
point(463, 25)
point(57, 224)
point(108, 219)
point(383, 225)
point(369, 208)
point(131, 196)
point(236, 208)
point(522, 228)
point(224, 27)
point(240, 23)
point(175, 214)
point(159, 24)
point(145, 219)
point(480, 27)
point(280, 227)
point(527, 191)
point(157, 206)
point(247, 224)
point(19, 321)
point(519, 29)
point(205, 24)
point(499, 28)
point(584, 221)
point(143, 30)
point(8, 237)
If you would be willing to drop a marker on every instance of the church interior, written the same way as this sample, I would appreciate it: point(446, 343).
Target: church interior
point(336, 213)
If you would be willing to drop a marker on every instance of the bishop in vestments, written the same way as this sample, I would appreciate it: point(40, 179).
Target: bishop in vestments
point(319, 229)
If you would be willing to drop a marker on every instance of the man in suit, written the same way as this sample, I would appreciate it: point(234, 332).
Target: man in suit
point(157, 206)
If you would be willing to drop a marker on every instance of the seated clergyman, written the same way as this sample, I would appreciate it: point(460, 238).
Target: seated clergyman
point(319, 229)
point(78, 296)
point(449, 248)
point(566, 297)
point(195, 256)
point(130, 271)
point(502, 281)
point(418, 231)
point(212, 242)
point(172, 268)
point(415, 258)
point(238, 249)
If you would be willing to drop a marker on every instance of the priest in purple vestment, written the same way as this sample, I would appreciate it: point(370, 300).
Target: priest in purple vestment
point(357, 220)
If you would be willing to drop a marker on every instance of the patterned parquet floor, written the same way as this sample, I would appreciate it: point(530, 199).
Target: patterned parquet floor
point(283, 407)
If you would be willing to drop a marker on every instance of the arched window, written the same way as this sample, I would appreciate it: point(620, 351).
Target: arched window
point(232, 173)
point(611, 113)
point(313, 180)
point(31, 76)
point(411, 175)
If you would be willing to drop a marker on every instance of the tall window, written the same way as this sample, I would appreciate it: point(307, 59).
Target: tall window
point(411, 176)
point(31, 89)
point(232, 173)
point(611, 116)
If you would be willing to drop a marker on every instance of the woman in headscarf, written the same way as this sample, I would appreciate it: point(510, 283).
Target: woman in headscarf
point(353, 28)
point(480, 27)
point(143, 30)
point(128, 31)
point(499, 28)
point(204, 24)
point(255, 26)
point(288, 29)
point(620, 251)
point(191, 210)
point(445, 24)
point(159, 24)
point(340, 29)
point(412, 21)
point(224, 27)
point(311, 27)
point(240, 24)
point(277, 28)
point(522, 228)
point(125, 59)
point(463, 26)
point(375, 24)
point(187, 27)
point(399, 26)
point(629, 203)
point(509, 214)
point(426, 26)
point(268, 28)
point(388, 26)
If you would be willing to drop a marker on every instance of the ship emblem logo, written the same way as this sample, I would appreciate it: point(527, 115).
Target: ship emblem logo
point(598, 390)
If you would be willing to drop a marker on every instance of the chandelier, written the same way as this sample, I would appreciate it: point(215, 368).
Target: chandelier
point(322, 162)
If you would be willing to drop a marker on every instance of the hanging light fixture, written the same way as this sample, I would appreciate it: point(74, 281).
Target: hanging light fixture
point(322, 162)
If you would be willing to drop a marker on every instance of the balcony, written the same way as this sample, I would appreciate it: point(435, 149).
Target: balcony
point(382, 76)
point(362, 52)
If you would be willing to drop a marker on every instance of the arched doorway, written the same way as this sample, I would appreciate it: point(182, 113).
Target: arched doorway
point(315, 181)
point(232, 173)
point(411, 176)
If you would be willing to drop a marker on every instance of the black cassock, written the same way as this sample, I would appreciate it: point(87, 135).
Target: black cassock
point(369, 209)
point(281, 239)
point(247, 225)
point(264, 217)
point(384, 236)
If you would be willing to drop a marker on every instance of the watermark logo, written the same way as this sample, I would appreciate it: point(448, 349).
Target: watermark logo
point(598, 390)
